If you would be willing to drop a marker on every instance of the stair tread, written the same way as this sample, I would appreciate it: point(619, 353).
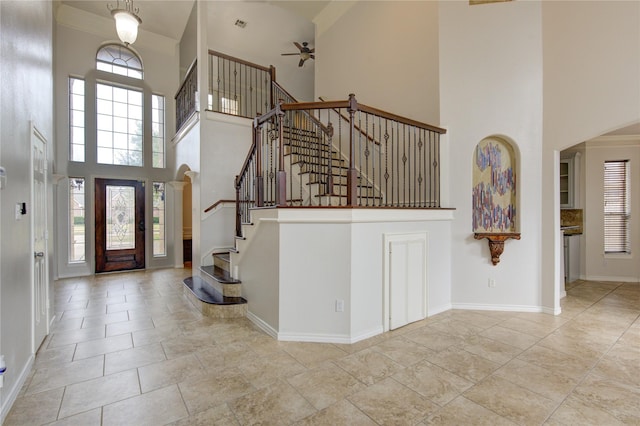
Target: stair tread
point(207, 294)
point(219, 274)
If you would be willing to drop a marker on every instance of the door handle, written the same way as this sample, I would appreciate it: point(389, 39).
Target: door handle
point(37, 254)
point(141, 225)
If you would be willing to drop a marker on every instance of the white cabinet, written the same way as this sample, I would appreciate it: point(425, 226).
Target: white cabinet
point(566, 184)
point(571, 258)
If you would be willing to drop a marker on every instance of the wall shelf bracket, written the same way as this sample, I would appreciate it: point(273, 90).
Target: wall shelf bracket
point(496, 242)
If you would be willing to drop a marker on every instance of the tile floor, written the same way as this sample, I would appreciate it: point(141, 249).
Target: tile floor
point(128, 349)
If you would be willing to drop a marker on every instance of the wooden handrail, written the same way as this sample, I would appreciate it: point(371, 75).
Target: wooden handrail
point(216, 204)
point(400, 119)
point(390, 116)
point(240, 61)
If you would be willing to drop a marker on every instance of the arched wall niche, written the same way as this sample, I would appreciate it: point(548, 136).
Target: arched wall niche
point(494, 193)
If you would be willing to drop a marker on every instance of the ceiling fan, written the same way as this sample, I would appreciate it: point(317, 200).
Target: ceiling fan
point(305, 53)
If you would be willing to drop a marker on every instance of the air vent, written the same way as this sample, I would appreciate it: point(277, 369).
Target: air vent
point(240, 23)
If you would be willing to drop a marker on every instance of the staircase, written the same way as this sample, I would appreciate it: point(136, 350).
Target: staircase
point(214, 292)
point(305, 152)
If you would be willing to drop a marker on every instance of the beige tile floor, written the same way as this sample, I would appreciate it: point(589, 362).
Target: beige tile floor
point(128, 349)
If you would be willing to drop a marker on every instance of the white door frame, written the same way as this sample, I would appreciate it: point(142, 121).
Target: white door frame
point(39, 290)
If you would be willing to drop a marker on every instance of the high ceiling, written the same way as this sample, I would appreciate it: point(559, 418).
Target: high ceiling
point(169, 17)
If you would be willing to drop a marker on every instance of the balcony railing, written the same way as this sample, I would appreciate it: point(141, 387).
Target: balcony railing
point(186, 97)
point(239, 87)
point(339, 154)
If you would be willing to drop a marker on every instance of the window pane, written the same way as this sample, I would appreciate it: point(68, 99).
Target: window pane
point(159, 243)
point(76, 220)
point(158, 132)
point(117, 128)
point(76, 119)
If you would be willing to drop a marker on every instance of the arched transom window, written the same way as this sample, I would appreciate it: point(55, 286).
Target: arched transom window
point(119, 59)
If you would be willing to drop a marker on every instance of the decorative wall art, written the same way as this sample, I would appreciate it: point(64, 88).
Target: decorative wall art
point(494, 187)
point(494, 194)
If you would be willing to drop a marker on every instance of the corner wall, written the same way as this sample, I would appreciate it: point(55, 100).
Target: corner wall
point(491, 85)
point(386, 52)
point(26, 95)
point(591, 87)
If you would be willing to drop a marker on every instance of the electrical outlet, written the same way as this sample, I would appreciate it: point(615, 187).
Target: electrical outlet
point(339, 305)
point(492, 283)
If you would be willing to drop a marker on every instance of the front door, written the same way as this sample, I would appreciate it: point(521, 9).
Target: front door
point(119, 225)
point(40, 305)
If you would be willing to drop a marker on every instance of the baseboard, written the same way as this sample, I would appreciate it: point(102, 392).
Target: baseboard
point(551, 311)
point(7, 402)
point(613, 279)
point(439, 310)
point(508, 308)
point(262, 325)
point(328, 338)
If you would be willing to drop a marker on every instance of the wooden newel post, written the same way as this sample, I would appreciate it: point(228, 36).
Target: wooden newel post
point(259, 182)
point(352, 173)
point(281, 179)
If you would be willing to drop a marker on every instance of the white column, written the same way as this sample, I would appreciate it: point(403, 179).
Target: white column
point(178, 256)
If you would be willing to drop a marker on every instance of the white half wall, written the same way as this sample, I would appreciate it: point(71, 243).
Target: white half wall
point(313, 258)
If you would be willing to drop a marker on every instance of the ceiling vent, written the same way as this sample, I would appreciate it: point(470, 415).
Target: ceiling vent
point(240, 23)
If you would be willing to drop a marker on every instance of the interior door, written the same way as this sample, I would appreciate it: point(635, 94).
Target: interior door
point(40, 288)
point(407, 280)
point(120, 227)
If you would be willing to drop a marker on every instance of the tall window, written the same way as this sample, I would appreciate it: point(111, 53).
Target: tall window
point(157, 130)
point(120, 125)
point(76, 220)
point(76, 119)
point(159, 240)
point(617, 210)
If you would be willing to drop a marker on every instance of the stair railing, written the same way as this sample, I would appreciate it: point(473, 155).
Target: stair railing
point(186, 97)
point(339, 154)
point(239, 87)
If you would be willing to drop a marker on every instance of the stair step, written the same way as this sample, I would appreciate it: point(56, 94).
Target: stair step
point(207, 294)
point(221, 275)
point(222, 261)
point(211, 302)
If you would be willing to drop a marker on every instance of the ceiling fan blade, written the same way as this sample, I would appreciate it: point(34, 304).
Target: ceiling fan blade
point(298, 45)
point(312, 56)
point(312, 50)
point(290, 54)
point(301, 62)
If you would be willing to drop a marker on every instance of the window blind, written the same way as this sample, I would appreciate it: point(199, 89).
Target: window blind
point(616, 207)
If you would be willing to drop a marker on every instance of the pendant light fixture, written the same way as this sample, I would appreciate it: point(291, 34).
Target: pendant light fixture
point(127, 20)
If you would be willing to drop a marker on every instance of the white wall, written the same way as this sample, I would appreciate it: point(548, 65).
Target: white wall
point(385, 52)
point(297, 263)
point(26, 87)
point(591, 87)
point(75, 56)
point(600, 266)
point(491, 84)
point(224, 145)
